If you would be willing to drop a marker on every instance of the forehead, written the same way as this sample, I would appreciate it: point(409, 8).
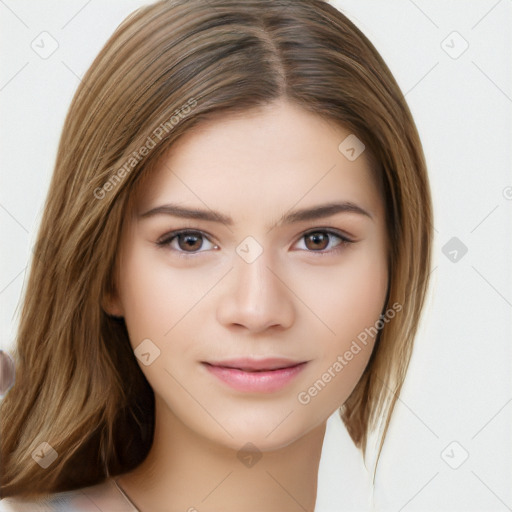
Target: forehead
point(263, 160)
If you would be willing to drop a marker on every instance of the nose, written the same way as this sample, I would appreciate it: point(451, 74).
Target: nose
point(255, 298)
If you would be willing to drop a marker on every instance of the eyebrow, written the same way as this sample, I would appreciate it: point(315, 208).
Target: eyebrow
point(305, 214)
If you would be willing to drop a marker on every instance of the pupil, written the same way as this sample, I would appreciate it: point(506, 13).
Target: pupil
point(190, 241)
point(317, 238)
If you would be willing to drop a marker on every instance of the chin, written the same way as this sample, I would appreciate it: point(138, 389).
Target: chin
point(265, 438)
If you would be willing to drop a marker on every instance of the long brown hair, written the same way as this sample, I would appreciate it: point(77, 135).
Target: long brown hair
point(166, 68)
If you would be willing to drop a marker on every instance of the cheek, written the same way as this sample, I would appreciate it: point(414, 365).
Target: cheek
point(154, 296)
point(144, 302)
point(346, 298)
point(349, 302)
point(155, 301)
point(161, 304)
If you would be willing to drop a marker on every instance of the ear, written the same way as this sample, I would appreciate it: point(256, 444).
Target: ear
point(112, 305)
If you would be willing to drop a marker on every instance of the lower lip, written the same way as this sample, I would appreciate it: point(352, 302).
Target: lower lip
point(259, 382)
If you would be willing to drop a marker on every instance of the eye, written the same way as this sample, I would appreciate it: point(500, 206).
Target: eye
point(190, 242)
point(323, 241)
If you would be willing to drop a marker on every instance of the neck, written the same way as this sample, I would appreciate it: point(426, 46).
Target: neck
point(186, 471)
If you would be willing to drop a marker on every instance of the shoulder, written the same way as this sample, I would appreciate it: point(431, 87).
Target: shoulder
point(104, 496)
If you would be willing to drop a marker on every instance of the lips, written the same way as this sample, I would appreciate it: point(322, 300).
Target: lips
point(256, 365)
point(256, 375)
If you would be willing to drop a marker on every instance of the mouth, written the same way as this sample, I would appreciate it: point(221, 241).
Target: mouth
point(256, 365)
point(256, 376)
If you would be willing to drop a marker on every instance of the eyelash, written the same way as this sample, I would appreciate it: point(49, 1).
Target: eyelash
point(166, 240)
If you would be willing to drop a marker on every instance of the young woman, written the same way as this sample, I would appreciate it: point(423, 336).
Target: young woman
point(235, 245)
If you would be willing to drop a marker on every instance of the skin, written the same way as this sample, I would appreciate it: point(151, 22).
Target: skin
point(292, 301)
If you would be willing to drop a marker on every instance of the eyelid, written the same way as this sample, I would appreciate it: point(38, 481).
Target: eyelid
point(344, 240)
point(171, 234)
point(333, 231)
point(165, 240)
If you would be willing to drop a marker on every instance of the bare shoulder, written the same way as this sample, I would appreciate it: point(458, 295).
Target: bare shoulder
point(104, 496)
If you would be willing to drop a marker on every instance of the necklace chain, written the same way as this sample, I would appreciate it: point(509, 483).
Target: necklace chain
point(125, 496)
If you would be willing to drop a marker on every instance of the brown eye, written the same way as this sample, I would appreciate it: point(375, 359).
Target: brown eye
point(187, 242)
point(317, 241)
point(323, 241)
point(190, 242)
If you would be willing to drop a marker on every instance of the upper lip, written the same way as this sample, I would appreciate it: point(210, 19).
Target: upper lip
point(251, 364)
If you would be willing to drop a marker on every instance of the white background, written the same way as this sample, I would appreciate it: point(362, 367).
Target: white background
point(459, 384)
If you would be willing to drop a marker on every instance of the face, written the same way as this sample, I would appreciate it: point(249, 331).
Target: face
point(253, 259)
